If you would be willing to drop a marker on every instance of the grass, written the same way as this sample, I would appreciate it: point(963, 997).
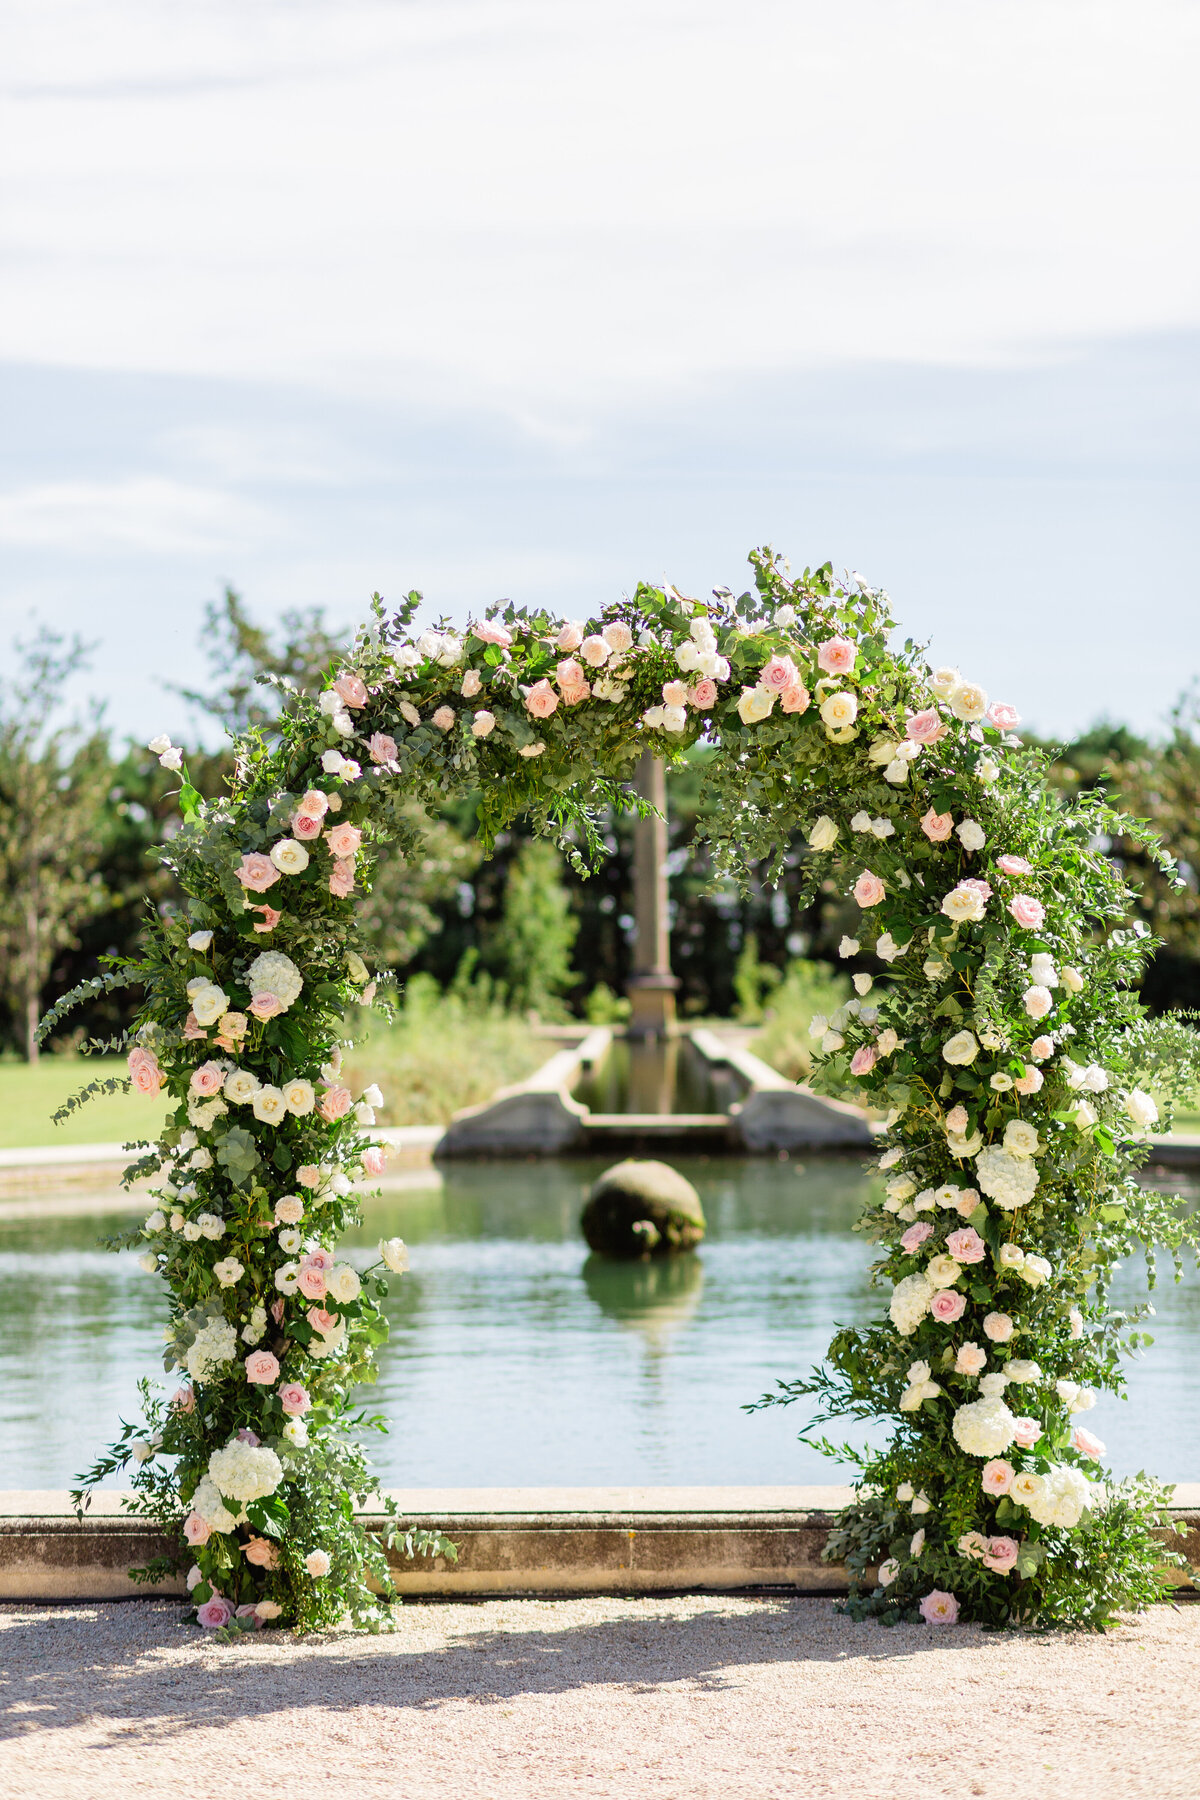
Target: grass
point(31, 1092)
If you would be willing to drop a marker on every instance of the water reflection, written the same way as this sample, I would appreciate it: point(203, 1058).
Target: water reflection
point(517, 1358)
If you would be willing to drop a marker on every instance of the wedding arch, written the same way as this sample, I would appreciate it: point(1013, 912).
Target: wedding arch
point(1000, 1037)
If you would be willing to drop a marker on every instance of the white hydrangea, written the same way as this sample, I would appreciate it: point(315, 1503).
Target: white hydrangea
point(1007, 1179)
point(244, 1471)
point(1063, 1497)
point(275, 973)
point(213, 1344)
point(909, 1303)
point(211, 1507)
point(984, 1427)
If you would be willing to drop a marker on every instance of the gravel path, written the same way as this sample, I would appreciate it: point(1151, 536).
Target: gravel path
point(700, 1698)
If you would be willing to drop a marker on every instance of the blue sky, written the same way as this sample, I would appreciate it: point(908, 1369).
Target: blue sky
point(533, 300)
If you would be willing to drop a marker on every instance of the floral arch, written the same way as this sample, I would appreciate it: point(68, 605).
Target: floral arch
point(999, 1036)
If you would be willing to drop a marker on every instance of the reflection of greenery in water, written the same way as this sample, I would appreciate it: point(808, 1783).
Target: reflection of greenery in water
point(518, 1359)
point(654, 1297)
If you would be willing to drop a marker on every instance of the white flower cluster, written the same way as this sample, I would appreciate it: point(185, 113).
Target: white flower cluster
point(909, 1303)
point(211, 1507)
point(274, 973)
point(1007, 1179)
point(244, 1471)
point(984, 1427)
point(1060, 1497)
point(214, 1343)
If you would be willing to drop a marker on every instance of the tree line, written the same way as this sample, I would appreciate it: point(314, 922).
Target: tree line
point(81, 814)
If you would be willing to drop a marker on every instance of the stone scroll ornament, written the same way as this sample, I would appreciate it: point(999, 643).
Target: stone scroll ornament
point(996, 1034)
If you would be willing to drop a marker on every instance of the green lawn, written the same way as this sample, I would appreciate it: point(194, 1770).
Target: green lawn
point(28, 1096)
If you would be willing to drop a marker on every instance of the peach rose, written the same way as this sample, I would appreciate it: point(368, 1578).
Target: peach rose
point(939, 1608)
point(192, 1028)
point(381, 748)
point(311, 1283)
point(594, 651)
point(289, 1210)
point(443, 718)
point(262, 1368)
point(145, 1073)
point(1041, 1048)
point(344, 840)
point(541, 700)
point(795, 699)
point(1013, 865)
point(947, 1306)
point(322, 1321)
point(309, 1175)
point(569, 673)
point(266, 1005)
point(868, 889)
point(257, 872)
point(996, 1477)
point(1027, 911)
point(618, 637)
point(196, 1530)
point(998, 1327)
point(471, 684)
point(214, 1613)
point(208, 1079)
point(341, 880)
point(261, 1552)
point(780, 673)
point(294, 1399)
point(836, 656)
point(353, 691)
point(335, 1103)
point(574, 696)
point(937, 826)
point(1026, 1433)
point(270, 918)
point(571, 635)
point(1031, 1082)
point(183, 1400)
point(488, 632)
point(1086, 1444)
point(926, 727)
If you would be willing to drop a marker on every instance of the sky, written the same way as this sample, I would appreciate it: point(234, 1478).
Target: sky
point(512, 299)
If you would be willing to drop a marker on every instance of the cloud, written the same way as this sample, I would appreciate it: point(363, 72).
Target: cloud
point(143, 514)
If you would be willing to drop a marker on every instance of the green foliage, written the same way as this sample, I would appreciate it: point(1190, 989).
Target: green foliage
point(530, 952)
point(808, 989)
point(752, 982)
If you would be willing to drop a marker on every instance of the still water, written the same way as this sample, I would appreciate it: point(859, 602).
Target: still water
point(516, 1359)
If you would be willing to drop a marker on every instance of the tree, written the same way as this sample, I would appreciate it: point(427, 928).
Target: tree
point(530, 950)
point(53, 790)
point(239, 651)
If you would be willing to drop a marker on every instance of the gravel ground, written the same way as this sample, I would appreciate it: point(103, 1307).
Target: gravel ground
point(701, 1698)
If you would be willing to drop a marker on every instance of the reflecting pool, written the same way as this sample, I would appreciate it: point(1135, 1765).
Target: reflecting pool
point(517, 1359)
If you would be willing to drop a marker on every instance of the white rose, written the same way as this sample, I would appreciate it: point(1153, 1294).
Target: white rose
point(942, 1271)
point(905, 1492)
point(1020, 1369)
point(988, 770)
point(158, 746)
point(968, 702)
point(394, 1253)
point(1021, 1138)
point(965, 905)
point(1085, 1115)
point(887, 1041)
point(896, 772)
point(240, 1086)
point(269, 1106)
point(971, 835)
point(208, 1003)
point(961, 1049)
point(1141, 1108)
point(824, 834)
point(1072, 980)
point(832, 1042)
point(1094, 1079)
point(343, 1283)
point(887, 949)
point(675, 718)
point(155, 1222)
point(861, 822)
point(149, 1262)
point(200, 940)
point(687, 656)
point(1011, 1256)
point(1042, 970)
point(289, 856)
point(849, 947)
point(228, 1272)
point(1038, 1001)
point(944, 681)
point(755, 705)
point(211, 1225)
point(839, 710)
point(1035, 1270)
point(299, 1097)
point(883, 750)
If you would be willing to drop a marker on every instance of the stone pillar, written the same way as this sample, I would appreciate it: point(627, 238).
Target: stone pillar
point(651, 988)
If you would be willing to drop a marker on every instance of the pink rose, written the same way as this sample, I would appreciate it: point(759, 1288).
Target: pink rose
point(344, 840)
point(947, 1306)
point(795, 699)
point(311, 1283)
point(868, 889)
point(352, 690)
point(541, 700)
point(382, 748)
point(957, 1119)
point(594, 651)
point(374, 1161)
point(863, 1060)
point(617, 636)
point(937, 826)
point(257, 873)
point(781, 673)
point(981, 887)
point(341, 880)
point(488, 632)
point(997, 1476)
point(1027, 911)
point(939, 1608)
point(1030, 1082)
point(145, 1073)
point(915, 1236)
point(277, 1309)
point(966, 1246)
point(196, 1530)
point(309, 1175)
point(270, 918)
point(443, 718)
point(570, 674)
point(1041, 1048)
point(266, 1005)
point(1004, 718)
point(1001, 1554)
point(926, 727)
point(1013, 865)
point(1026, 1433)
point(322, 1321)
point(214, 1613)
point(294, 1399)
point(1086, 1443)
point(703, 694)
point(569, 638)
point(262, 1368)
point(183, 1400)
point(318, 1259)
point(574, 695)
point(250, 1611)
point(207, 1079)
point(192, 1028)
point(335, 1103)
point(836, 656)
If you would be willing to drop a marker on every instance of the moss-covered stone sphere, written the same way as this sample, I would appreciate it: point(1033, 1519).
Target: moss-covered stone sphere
point(641, 1208)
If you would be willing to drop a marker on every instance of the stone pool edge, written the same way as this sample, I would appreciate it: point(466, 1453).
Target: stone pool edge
point(511, 1542)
